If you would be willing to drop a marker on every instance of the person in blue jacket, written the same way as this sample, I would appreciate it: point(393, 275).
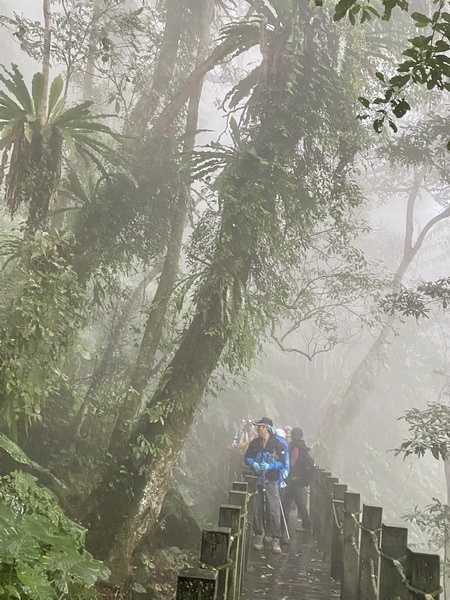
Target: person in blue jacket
point(267, 457)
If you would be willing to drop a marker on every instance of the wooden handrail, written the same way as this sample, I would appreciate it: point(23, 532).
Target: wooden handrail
point(371, 559)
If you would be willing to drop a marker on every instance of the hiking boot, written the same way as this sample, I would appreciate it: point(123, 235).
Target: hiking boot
point(258, 542)
point(285, 540)
point(276, 546)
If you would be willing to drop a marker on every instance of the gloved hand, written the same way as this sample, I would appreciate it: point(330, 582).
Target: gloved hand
point(271, 466)
point(256, 467)
point(250, 462)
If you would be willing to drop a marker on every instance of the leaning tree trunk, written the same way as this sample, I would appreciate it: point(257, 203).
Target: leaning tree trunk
point(348, 401)
point(121, 515)
point(126, 505)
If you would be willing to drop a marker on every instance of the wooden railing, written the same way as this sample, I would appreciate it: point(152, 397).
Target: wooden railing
point(371, 559)
point(225, 549)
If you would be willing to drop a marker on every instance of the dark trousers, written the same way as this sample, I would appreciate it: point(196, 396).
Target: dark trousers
point(267, 510)
point(294, 492)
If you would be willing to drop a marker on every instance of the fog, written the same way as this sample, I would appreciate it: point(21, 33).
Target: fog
point(215, 212)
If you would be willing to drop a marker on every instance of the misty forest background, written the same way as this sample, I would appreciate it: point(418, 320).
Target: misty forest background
point(214, 210)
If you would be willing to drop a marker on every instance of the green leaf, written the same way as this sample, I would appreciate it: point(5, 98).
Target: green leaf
point(399, 80)
point(235, 131)
point(56, 89)
point(37, 91)
point(378, 125)
point(14, 451)
point(401, 108)
point(244, 87)
point(420, 41)
point(16, 85)
point(364, 101)
point(393, 126)
point(342, 7)
point(442, 46)
point(420, 18)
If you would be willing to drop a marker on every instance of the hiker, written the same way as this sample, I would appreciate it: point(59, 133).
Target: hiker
point(243, 436)
point(281, 435)
point(267, 456)
point(300, 476)
point(288, 431)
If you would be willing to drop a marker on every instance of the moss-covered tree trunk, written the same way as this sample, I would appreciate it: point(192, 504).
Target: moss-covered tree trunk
point(128, 502)
point(125, 507)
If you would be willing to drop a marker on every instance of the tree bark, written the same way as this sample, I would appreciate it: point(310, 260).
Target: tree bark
point(46, 60)
point(135, 498)
point(125, 506)
point(88, 80)
point(189, 87)
point(149, 101)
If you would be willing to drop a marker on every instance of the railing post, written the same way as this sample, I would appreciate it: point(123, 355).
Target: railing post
point(197, 584)
point(314, 493)
point(422, 573)
point(394, 540)
point(230, 516)
point(215, 552)
point(349, 588)
point(369, 558)
point(252, 491)
point(240, 499)
point(328, 518)
point(337, 545)
point(242, 486)
point(322, 509)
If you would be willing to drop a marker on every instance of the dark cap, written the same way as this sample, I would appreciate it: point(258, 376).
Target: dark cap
point(265, 421)
point(297, 434)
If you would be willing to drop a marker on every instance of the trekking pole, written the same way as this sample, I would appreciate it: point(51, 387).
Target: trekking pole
point(284, 521)
point(264, 500)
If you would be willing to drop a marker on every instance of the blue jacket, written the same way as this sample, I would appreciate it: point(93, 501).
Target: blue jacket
point(285, 471)
point(274, 453)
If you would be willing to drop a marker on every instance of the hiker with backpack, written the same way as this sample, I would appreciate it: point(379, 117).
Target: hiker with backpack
point(266, 455)
point(300, 476)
